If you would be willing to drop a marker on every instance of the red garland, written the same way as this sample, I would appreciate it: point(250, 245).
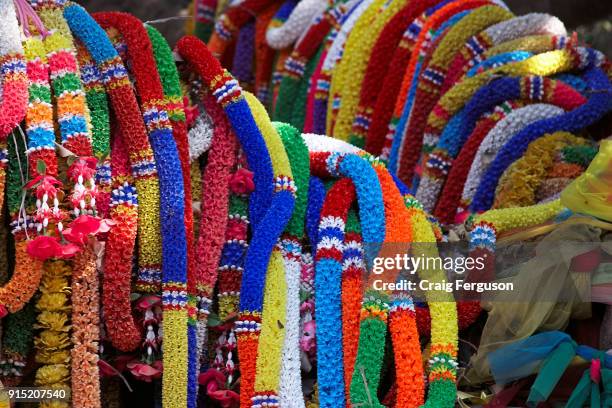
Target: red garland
point(379, 64)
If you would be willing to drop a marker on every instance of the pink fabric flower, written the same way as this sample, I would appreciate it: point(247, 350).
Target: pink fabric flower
point(45, 247)
point(307, 342)
point(242, 181)
point(84, 226)
point(44, 185)
point(145, 372)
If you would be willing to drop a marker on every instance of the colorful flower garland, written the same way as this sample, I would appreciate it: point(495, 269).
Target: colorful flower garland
point(572, 121)
point(421, 49)
point(348, 77)
point(438, 163)
point(290, 384)
point(494, 140)
point(283, 35)
point(433, 77)
point(14, 82)
point(172, 206)
point(523, 178)
point(378, 65)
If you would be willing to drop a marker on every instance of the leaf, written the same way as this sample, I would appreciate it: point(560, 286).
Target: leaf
point(280, 325)
point(213, 320)
point(41, 167)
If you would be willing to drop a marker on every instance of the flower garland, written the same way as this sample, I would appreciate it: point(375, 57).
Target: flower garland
point(424, 51)
point(495, 139)
point(249, 137)
point(517, 27)
point(204, 14)
point(283, 35)
point(371, 210)
point(121, 328)
point(229, 95)
point(242, 65)
point(18, 327)
point(174, 105)
point(545, 64)
point(378, 65)
point(272, 338)
point(172, 206)
point(422, 44)
point(353, 271)
point(14, 82)
point(447, 205)
point(389, 85)
point(328, 294)
point(97, 103)
point(303, 53)
point(141, 156)
point(213, 244)
point(348, 78)
point(264, 54)
point(432, 79)
point(85, 375)
point(572, 121)
point(443, 349)
point(231, 21)
point(290, 384)
point(522, 179)
point(533, 89)
point(536, 44)
point(336, 39)
point(53, 341)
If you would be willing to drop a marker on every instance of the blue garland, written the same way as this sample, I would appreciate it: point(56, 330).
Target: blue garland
point(594, 109)
point(400, 130)
point(498, 60)
point(316, 196)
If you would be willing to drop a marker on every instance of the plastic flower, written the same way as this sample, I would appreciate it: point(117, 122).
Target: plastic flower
point(45, 185)
point(242, 181)
point(45, 247)
point(84, 226)
point(83, 166)
point(145, 372)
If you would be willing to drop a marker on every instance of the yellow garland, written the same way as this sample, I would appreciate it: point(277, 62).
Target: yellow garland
point(341, 72)
point(280, 161)
point(444, 329)
point(546, 64)
point(272, 326)
point(506, 219)
point(519, 183)
point(535, 44)
point(355, 57)
point(175, 337)
point(272, 334)
point(53, 342)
